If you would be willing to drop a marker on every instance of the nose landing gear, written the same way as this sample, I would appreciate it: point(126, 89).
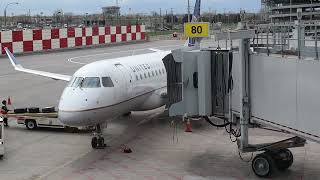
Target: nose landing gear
point(97, 141)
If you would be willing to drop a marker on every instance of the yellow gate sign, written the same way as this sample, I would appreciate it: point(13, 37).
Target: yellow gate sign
point(199, 29)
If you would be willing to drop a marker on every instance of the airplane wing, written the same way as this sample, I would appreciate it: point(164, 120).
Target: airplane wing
point(17, 66)
point(155, 50)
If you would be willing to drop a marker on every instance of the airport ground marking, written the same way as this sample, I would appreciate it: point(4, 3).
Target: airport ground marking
point(62, 166)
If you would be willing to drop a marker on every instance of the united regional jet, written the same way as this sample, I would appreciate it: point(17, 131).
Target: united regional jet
point(107, 89)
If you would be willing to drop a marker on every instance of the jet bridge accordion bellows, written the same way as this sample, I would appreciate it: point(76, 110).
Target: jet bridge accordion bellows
point(221, 81)
point(174, 79)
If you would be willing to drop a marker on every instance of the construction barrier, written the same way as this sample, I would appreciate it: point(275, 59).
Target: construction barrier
point(50, 39)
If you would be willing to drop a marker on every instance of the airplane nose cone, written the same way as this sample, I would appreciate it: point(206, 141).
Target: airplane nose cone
point(69, 106)
point(71, 118)
point(80, 108)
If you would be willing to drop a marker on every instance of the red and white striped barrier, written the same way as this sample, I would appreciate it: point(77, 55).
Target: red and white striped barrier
point(47, 39)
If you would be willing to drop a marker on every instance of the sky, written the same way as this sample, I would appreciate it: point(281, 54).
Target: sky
point(127, 6)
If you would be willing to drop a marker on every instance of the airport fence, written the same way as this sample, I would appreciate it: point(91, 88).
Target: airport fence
point(36, 40)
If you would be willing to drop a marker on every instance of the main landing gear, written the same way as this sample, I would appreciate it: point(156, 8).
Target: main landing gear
point(97, 141)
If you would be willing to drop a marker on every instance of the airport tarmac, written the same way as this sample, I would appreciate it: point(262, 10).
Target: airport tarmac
point(159, 150)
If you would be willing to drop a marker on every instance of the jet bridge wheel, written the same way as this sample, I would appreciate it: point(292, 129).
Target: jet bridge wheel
point(263, 165)
point(284, 159)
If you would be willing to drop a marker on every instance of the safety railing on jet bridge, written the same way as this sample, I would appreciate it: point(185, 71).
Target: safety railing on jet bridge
point(287, 39)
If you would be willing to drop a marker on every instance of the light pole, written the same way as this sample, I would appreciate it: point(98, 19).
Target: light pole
point(5, 12)
point(188, 10)
point(290, 12)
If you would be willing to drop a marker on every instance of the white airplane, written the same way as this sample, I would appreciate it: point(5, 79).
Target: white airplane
point(107, 89)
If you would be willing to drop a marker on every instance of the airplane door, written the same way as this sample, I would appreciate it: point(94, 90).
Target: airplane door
point(124, 81)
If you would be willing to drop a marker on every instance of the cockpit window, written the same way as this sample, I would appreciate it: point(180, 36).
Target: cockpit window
point(90, 82)
point(76, 82)
point(107, 82)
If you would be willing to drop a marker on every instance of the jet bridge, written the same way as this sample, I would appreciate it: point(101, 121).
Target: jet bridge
point(259, 89)
point(198, 82)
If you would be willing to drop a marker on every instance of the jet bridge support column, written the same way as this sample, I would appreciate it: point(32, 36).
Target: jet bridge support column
point(244, 92)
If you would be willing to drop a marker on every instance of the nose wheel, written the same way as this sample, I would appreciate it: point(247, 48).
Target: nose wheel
point(97, 142)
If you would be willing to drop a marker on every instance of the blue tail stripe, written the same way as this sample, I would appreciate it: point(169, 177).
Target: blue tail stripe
point(195, 18)
point(196, 12)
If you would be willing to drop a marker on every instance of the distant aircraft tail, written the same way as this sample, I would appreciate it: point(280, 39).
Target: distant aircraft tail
point(195, 18)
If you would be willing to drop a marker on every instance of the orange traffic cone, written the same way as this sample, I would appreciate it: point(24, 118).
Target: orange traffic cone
point(188, 126)
point(9, 101)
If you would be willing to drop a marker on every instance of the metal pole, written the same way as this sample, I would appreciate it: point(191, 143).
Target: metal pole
point(316, 43)
point(171, 18)
point(161, 25)
point(227, 44)
point(5, 17)
point(299, 40)
point(311, 11)
point(244, 93)
point(188, 10)
point(282, 42)
point(5, 12)
point(268, 51)
point(290, 11)
point(288, 36)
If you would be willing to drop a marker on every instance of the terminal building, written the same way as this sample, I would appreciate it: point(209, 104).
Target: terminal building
point(285, 11)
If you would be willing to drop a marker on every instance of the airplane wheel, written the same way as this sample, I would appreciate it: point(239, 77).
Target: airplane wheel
point(101, 142)
point(263, 165)
point(94, 142)
point(286, 159)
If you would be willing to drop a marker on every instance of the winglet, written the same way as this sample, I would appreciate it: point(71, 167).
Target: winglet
point(15, 63)
point(17, 66)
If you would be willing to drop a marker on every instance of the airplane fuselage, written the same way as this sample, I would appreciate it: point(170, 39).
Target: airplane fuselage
point(107, 89)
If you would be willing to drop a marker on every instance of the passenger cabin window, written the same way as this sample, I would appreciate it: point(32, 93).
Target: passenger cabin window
point(107, 82)
point(91, 82)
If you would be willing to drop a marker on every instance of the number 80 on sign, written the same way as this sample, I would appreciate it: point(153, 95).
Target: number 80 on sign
point(196, 30)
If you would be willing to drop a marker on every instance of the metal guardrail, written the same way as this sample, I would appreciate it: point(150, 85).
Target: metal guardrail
point(300, 40)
